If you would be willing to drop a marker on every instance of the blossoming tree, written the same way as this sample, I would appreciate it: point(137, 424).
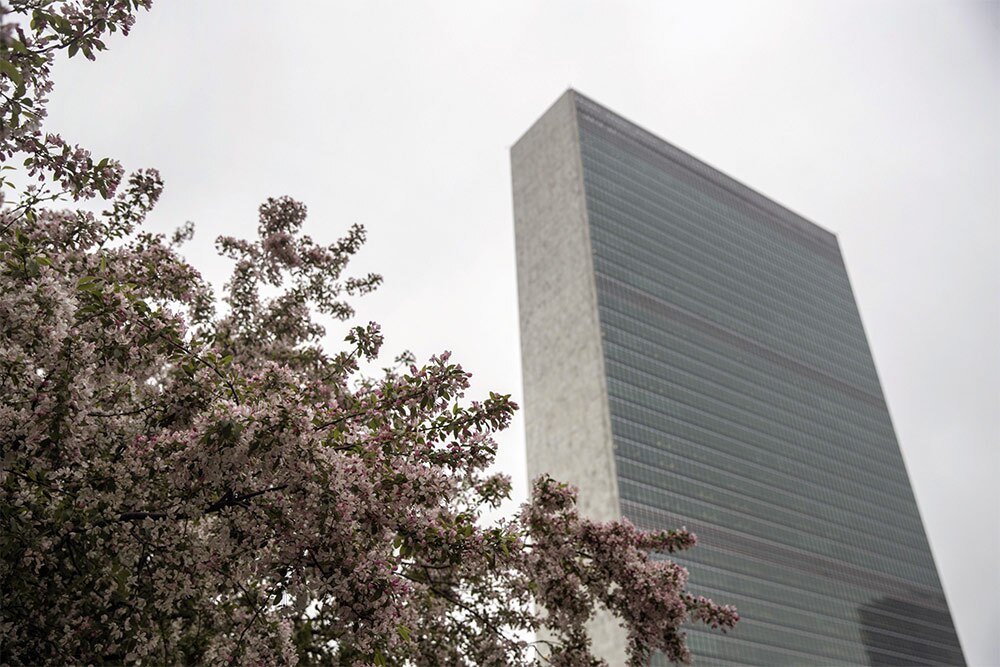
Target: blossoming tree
point(185, 486)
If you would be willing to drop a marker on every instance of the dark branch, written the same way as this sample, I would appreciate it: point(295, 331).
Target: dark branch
point(228, 500)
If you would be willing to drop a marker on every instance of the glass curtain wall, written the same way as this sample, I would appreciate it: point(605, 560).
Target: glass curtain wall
point(745, 405)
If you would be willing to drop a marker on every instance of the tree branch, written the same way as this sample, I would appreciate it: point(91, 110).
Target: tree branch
point(228, 500)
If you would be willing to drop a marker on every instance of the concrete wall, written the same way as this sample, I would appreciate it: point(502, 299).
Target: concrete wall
point(568, 427)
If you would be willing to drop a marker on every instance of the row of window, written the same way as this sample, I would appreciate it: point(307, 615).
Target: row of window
point(771, 486)
point(722, 433)
point(701, 505)
point(781, 576)
point(910, 639)
point(639, 463)
point(797, 430)
point(675, 433)
point(639, 144)
point(669, 226)
point(770, 315)
point(866, 540)
point(931, 623)
point(615, 292)
point(761, 281)
point(685, 408)
point(645, 375)
point(786, 328)
point(742, 237)
point(672, 331)
point(656, 180)
point(759, 643)
point(666, 352)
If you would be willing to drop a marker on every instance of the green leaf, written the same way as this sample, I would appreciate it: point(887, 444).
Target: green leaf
point(14, 74)
point(404, 632)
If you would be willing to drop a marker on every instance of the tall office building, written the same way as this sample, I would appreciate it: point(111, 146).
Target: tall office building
point(693, 355)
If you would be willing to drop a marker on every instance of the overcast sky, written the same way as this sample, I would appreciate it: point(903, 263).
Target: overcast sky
point(877, 120)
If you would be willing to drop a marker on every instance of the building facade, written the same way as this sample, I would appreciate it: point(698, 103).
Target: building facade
point(693, 356)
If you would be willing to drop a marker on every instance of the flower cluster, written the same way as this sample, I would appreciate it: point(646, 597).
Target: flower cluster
point(31, 33)
point(185, 486)
point(574, 563)
point(181, 486)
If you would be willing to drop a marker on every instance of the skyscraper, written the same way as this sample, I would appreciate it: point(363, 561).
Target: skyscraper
point(693, 355)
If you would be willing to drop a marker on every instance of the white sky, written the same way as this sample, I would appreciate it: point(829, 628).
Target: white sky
point(877, 120)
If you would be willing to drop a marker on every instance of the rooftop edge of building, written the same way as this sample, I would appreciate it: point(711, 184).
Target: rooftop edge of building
point(794, 222)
